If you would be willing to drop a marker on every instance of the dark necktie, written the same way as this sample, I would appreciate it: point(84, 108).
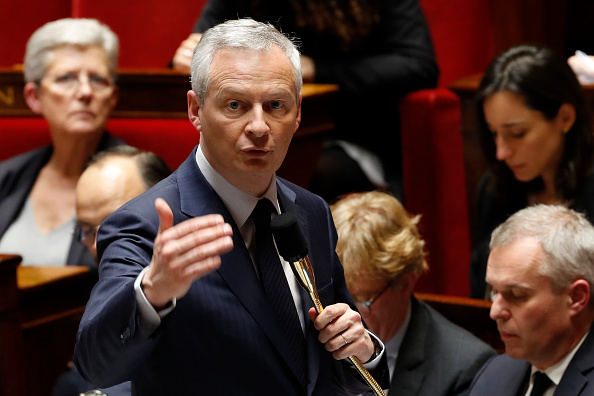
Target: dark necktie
point(541, 383)
point(276, 287)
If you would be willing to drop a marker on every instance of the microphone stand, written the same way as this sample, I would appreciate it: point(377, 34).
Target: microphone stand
point(283, 226)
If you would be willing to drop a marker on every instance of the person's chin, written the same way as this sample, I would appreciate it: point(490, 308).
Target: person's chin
point(524, 177)
point(85, 127)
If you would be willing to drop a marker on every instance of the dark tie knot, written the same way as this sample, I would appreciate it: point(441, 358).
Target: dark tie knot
point(262, 213)
point(541, 383)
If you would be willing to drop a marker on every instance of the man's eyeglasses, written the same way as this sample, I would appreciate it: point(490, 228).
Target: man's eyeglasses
point(87, 233)
point(365, 306)
point(71, 82)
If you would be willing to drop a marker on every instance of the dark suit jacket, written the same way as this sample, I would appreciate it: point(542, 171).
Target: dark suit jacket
point(17, 176)
point(437, 358)
point(221, 337)
point(503, 376)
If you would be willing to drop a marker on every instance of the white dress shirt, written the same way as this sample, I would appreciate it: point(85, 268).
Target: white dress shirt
point(555, 372)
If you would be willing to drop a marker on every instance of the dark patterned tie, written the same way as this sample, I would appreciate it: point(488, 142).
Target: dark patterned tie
point(541, 383)
point(276, 287)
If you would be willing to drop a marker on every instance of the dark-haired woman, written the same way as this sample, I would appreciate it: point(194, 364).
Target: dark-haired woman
point(537, 137)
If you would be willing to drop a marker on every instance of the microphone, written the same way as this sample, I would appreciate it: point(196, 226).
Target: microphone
point(292, 246)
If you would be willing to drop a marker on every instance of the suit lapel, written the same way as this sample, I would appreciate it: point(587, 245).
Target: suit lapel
point(574, 381)
point(409, 372)
point(287, 199)
point(198, 198)
point(26, 173)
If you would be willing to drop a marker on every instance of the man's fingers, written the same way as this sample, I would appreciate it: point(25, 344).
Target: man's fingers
point(165, 214)
point(329, 314)
point(198, 245)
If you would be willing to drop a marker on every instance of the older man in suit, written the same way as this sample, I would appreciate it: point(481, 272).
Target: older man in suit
point(383, 257)
point(541, 271)
point(189, 299)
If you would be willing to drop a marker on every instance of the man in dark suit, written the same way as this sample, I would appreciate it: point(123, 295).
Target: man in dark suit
point(383, 257)
point(182, 305)
point(541, 271)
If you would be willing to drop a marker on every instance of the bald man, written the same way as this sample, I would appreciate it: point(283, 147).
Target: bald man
point(112, 178)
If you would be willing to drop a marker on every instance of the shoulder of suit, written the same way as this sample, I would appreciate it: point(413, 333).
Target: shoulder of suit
point(456, 335)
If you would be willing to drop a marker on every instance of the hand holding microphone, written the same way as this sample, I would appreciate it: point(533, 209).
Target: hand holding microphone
point(292, 246)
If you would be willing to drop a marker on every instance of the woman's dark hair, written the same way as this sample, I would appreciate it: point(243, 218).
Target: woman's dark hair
point(545, 81)
point(346, 20)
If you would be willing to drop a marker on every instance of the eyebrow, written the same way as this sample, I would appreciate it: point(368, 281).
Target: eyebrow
point(514, 123)
point(239, 92)
point(510, 287)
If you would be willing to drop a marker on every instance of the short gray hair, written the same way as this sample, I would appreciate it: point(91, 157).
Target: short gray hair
point(566, 237)
point(241, 34)
point(68, 31)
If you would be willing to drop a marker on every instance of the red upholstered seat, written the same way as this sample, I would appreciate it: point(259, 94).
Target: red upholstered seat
point(171, 139)
point(435, 186)
point(433, 157)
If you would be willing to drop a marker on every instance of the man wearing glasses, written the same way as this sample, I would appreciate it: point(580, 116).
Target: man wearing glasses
point(383, 257)
point(112, 178)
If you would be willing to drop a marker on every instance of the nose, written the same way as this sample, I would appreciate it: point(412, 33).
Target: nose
point(84, 88)
point(498, 309)
point(503, 150)
point(258, 125)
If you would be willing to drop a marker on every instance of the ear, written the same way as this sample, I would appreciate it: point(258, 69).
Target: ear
point(579, 293)
point(194, 110)
point(298, 122)
point(566, 116)
point(31, 93)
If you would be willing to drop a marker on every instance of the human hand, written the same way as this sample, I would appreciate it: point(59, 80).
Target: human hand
point(583, 67)
point(182, 59)
point(183, 253)
point(342, 332)
point(308, 69)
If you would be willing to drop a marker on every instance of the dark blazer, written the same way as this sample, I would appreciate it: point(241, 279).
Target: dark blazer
point(503, 376)
point(17, 176)
point(437, 358)
point(221, 337)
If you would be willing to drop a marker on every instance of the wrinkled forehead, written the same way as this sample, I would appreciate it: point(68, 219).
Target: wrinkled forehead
point(244, 67)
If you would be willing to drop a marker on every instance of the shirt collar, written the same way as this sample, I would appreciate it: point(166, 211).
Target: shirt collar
point(555, 372)
point(394, 344)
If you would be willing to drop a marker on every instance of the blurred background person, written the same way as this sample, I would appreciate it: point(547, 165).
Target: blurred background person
point(375, 50)
point(541, 269)
point(383, 257)
point(536, 134)
point(112, 178)
point(69, 69)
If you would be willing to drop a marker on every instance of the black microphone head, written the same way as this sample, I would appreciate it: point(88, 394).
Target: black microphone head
point(289, 238)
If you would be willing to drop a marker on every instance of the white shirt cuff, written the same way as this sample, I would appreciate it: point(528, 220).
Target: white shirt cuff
point(372, 365)
point(149, 316)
